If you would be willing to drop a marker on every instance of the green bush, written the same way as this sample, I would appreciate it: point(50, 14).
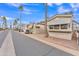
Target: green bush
point(1, 29)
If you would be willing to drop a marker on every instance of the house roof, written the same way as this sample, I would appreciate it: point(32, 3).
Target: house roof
point(56, 16)
point(76, 22)
point(59, 16)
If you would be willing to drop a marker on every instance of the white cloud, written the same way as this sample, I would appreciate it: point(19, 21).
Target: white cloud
point(9, 18)
point(34, 4)
point(58, 4)
point(25, 11)
point(14, 4)
point(74, 6)
point(50, 4)
point(28, 10)
point(62, 10)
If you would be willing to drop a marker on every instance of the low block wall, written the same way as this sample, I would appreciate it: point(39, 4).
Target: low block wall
point(39, 31)
point(61, 35)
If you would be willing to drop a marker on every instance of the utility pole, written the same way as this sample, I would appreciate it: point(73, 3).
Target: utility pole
point(46, 12)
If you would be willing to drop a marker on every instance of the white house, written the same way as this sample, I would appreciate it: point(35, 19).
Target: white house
point(39, 29)
point(62, 26)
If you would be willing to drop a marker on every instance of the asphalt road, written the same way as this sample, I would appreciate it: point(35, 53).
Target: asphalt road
point(25, 46)
point(3, 35)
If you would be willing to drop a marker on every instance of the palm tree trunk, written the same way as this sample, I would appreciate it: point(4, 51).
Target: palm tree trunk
point(20, 18)
point(46, 12)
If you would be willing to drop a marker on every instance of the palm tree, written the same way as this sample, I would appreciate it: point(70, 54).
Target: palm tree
point(4, 22)
point(46, 12)
point(15, 22)
point(21, 10)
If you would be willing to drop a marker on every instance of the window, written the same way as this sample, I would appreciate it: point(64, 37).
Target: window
point(37, 26)
point(56, 26)
point(53, 26)
point(50, 26)
point(64, 26)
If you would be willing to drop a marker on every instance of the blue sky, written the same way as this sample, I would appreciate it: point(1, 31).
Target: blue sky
point(34, 12)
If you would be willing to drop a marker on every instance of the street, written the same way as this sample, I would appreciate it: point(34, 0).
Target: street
point(25, 46)
point(39, 29)
point(3, 35)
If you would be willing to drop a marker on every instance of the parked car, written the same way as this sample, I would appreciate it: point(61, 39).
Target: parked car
point(28, 32)
point(20, 30)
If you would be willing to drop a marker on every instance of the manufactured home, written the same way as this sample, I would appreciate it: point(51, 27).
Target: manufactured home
point(39, 29)
point(63, 26)
point(27, 27)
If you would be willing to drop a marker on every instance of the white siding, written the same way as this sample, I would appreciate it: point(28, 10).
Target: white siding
point(61, 33)
point(75, 26)
point(59, 21)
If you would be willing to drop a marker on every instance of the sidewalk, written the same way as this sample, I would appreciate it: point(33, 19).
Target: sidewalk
point(7, 48)
point(65, 45)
